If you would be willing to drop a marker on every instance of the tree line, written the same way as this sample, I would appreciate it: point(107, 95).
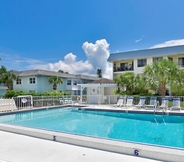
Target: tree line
point(158, 77)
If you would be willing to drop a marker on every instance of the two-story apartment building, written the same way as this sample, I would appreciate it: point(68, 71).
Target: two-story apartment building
point(37, 81)
point(134, 61)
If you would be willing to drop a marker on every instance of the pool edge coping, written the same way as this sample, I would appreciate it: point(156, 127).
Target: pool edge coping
point(129, 148)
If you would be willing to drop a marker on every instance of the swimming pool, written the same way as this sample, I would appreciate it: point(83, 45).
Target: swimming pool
point(160, 130)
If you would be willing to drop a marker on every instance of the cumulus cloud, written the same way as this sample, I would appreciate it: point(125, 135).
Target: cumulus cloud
point(169, 43)
point(70, 58)
point(70, 65)
point(97, 55)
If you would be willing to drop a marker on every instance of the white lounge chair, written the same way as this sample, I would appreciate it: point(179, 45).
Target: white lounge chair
point(153, 103)
point(120, 102)
point(61, 100)
point(141, 103)
point(129, 101)
point(7, 105)
point(164, 104)
point(176, 104)
point(70, 101)
point(66, 101)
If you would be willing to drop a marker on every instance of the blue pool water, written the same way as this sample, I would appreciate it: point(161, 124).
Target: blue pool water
point(163, 130)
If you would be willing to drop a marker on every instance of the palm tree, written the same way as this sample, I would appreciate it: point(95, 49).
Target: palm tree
point(60, 71)
point(161, 73)
point(99, 73)
point(55, 80)
point(126, 81)
point(7, 77)
point(3, 69)
point(140, 86)
point(177, 84)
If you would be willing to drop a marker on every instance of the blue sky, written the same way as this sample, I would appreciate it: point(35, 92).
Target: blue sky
point(78, 35)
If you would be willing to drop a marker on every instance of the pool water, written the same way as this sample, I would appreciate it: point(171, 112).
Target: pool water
point(163, 130)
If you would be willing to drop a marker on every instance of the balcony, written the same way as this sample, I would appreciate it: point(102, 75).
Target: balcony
point(119, 69)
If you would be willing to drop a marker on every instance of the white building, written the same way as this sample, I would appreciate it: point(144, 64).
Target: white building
point(100, 91)
point(136, 60)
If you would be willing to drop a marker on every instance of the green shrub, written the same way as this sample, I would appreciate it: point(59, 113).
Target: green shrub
point(15, 93)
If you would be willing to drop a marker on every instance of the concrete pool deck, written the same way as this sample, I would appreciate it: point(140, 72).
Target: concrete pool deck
point(133, 109)
point(21, 148)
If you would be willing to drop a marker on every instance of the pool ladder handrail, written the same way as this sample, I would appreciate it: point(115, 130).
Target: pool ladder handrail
point(163, 108)
point(106, 100)
point(157, 103)
point(163, 112)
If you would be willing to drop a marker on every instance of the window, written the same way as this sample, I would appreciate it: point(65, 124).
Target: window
point(32, 81)
point(19, 81)
point(74, 82)
point(181, 61)
point(76, 92)
point(141, 62)
point(84, 91)
point(69, 82)
point(86, 81)
point(157, 59)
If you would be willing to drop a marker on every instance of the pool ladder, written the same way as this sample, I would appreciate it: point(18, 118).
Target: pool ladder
point(163, 113)
point(162, 120)
point(163, 108)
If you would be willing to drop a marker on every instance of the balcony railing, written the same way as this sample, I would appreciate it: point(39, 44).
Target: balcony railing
point(117, 69)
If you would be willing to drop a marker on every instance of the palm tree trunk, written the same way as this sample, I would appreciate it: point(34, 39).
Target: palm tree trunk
point(162, 89)
point(54, 86)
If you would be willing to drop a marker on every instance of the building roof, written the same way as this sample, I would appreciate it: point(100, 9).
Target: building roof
point(164, 51)
point(103, 81)
point(39, 72)
point(3, 87)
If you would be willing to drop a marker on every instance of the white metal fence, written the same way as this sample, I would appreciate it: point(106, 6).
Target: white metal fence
point(27, 102)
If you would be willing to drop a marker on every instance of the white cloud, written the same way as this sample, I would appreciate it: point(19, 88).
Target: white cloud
point(70, 58)
point(169, 43)
point(138, 40)
point(97, 55)
point(15, 62)
point(71, 66)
